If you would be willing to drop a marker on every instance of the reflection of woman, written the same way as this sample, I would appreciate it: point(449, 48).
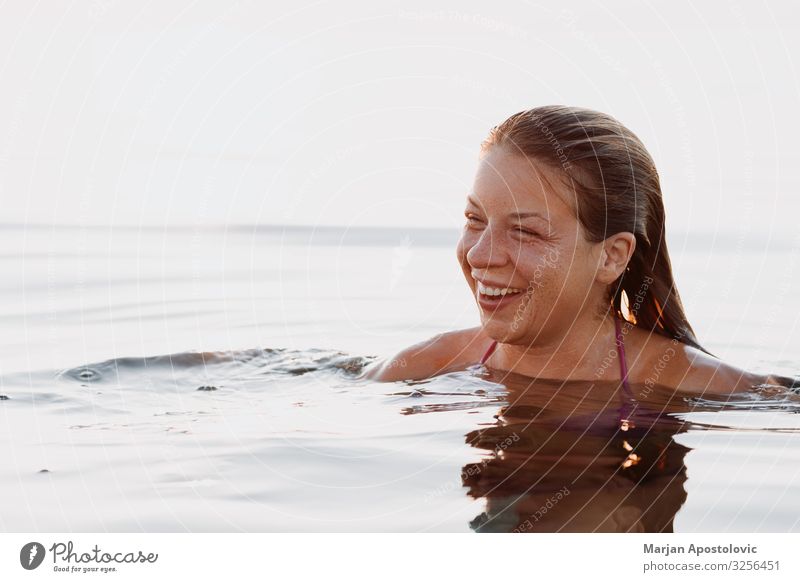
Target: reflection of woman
point(558, 461)
point(564, 238)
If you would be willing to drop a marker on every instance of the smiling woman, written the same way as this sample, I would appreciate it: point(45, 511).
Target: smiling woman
point(564, 250)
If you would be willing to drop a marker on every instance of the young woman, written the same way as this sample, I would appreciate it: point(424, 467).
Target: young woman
point(565, 253)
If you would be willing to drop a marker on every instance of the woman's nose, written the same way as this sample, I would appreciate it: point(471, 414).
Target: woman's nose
point(487, 251)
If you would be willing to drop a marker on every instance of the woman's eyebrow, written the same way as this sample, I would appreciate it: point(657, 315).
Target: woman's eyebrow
point(517, 215)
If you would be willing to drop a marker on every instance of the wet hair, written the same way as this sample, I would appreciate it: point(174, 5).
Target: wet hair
point(616, 188)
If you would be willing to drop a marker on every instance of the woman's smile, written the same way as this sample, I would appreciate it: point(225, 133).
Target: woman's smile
point(491, 298)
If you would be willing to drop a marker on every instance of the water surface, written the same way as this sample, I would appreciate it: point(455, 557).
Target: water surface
point(187, 380)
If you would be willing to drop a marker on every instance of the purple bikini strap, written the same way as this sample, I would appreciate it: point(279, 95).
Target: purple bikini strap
point(488, 352)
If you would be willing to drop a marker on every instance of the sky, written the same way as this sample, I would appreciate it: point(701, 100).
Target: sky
point(371, 113)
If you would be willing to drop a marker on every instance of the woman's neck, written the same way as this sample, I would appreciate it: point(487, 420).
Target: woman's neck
point(586, 351)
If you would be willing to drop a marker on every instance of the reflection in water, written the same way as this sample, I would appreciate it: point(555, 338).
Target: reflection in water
point(291, 440)
point(578, 457)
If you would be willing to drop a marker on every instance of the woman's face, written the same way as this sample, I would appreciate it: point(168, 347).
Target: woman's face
point(523, 252)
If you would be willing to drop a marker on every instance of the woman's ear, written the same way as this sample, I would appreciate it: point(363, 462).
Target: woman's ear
point(615, 253)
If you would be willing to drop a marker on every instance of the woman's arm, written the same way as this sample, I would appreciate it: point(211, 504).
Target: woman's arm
point(442, 353)
point(785, 381)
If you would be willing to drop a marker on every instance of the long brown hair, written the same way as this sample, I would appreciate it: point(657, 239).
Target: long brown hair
point(617, 189)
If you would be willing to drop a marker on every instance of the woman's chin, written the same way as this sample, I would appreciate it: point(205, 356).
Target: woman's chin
point(502, 331)
point(505, 318)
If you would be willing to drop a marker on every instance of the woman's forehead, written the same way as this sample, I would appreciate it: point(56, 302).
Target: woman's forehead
point(512, 183)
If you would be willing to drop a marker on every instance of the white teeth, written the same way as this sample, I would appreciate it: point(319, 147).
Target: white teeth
point(494, 291)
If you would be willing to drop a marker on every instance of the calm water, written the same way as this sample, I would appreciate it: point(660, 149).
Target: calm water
point(204, 380)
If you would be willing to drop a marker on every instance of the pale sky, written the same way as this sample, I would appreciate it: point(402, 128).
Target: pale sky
point(371, 113)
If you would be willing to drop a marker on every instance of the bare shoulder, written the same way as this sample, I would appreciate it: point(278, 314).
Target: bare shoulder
point(443, 352)
point(679, 366)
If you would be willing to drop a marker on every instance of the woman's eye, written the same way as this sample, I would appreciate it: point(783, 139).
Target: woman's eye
point(527, 232)
point(472, 220)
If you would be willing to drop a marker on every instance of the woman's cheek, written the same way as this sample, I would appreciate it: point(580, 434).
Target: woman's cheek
point(550, 279)
point(573, 282)
point(545, 269)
